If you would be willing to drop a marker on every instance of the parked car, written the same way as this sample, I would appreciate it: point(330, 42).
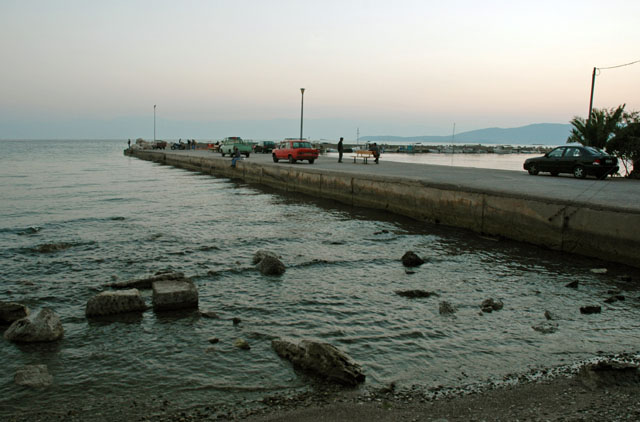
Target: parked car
point(228, 144)
point(578, 160)
point(294, 150)
point(264, 147)
point(159, 145)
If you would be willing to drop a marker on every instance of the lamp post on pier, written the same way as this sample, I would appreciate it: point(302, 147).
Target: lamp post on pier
point(301, 111)
point(154, 123)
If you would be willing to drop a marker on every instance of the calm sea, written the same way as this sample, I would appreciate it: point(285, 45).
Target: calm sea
point(122, 218)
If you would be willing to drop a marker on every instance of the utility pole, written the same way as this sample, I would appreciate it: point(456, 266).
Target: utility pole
point(593, 83)
point(358, 137)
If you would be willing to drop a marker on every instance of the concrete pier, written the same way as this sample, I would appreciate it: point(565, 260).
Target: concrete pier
point(589, 217)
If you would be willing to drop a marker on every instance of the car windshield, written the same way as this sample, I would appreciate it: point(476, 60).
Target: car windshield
point(301, 145)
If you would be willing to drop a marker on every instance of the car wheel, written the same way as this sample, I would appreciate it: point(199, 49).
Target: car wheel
point(533, 169)
point(247, 155)
point(222, 152)
point(578, 172)
point(275, 159)
point(311, 161)
point(291, 160)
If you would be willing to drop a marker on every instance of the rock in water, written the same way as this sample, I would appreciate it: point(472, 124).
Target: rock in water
point(410, 259)
point(546, 327)
point(490, 305)
point(147, 283)
point(270, 265)
point(261, 254)
point(320, 359)
point(445, 308)
point(10, 312)
point(116, 302)
point(412, 294)
point(43, 326)
point(34, 376)
point(590, 309)
point(174, 294)
point(241, 344)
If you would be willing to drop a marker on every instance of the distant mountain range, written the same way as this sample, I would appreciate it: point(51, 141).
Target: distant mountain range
point(539, 133)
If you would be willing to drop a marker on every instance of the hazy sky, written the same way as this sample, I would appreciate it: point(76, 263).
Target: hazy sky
point(223, 68)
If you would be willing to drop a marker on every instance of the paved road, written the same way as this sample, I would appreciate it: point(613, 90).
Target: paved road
point(612, 192)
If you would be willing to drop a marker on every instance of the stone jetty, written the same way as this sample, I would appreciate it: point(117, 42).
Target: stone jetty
point(589, 217)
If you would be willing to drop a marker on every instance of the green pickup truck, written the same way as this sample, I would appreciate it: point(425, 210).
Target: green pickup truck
point(228, 145)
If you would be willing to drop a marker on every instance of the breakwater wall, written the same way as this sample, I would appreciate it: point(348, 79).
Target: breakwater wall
point(610, 234)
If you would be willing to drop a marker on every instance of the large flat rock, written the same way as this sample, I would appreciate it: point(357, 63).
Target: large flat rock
point(174, 294)
point(115, 302)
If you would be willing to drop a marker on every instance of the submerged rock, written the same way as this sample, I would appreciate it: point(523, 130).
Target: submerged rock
point(590, 309)
point(546, 327)
point(549, 316)
point(115, 302)
point(269, 264)
point(43, 326)
point(490, 305)
point(410, 259)
point(320, 359)
point(147, 283)
point(445, 308)
point(52, 247)
point(261, 254)
point(412, 294)
point(209, 314)
point(614, 298)
point(572, 285)
point(34, 376)
point(11, 311)
point(241, 344)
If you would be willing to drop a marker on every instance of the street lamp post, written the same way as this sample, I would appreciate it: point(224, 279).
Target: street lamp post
point(154, 123)
point(301, 111)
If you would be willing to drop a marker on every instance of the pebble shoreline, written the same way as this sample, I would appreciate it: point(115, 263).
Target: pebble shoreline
point(549, 394)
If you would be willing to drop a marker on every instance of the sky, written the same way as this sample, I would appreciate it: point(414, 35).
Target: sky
point(95, 69)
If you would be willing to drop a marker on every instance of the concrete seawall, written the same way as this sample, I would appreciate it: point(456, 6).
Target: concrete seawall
point(596, 230)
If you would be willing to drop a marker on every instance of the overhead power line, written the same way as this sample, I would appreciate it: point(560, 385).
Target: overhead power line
point(620, 65)
point(596, 70)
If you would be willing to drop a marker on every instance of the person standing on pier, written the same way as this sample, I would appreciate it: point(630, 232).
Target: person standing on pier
point(376, 151)
point(236, 157)
point(340, 150)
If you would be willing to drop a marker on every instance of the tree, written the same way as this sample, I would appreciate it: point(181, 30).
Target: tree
point(626, 145)
point(599, 129)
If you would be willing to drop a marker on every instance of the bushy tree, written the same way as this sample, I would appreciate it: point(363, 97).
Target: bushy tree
point(599, 129)
point(614, 130)
point(626, 145)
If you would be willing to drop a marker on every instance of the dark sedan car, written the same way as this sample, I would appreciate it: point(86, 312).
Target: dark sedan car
point(574, 159)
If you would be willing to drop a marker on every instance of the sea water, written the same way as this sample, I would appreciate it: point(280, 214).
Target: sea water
point(116, 218)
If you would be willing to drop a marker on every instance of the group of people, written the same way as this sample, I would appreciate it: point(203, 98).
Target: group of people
point(373, 148)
